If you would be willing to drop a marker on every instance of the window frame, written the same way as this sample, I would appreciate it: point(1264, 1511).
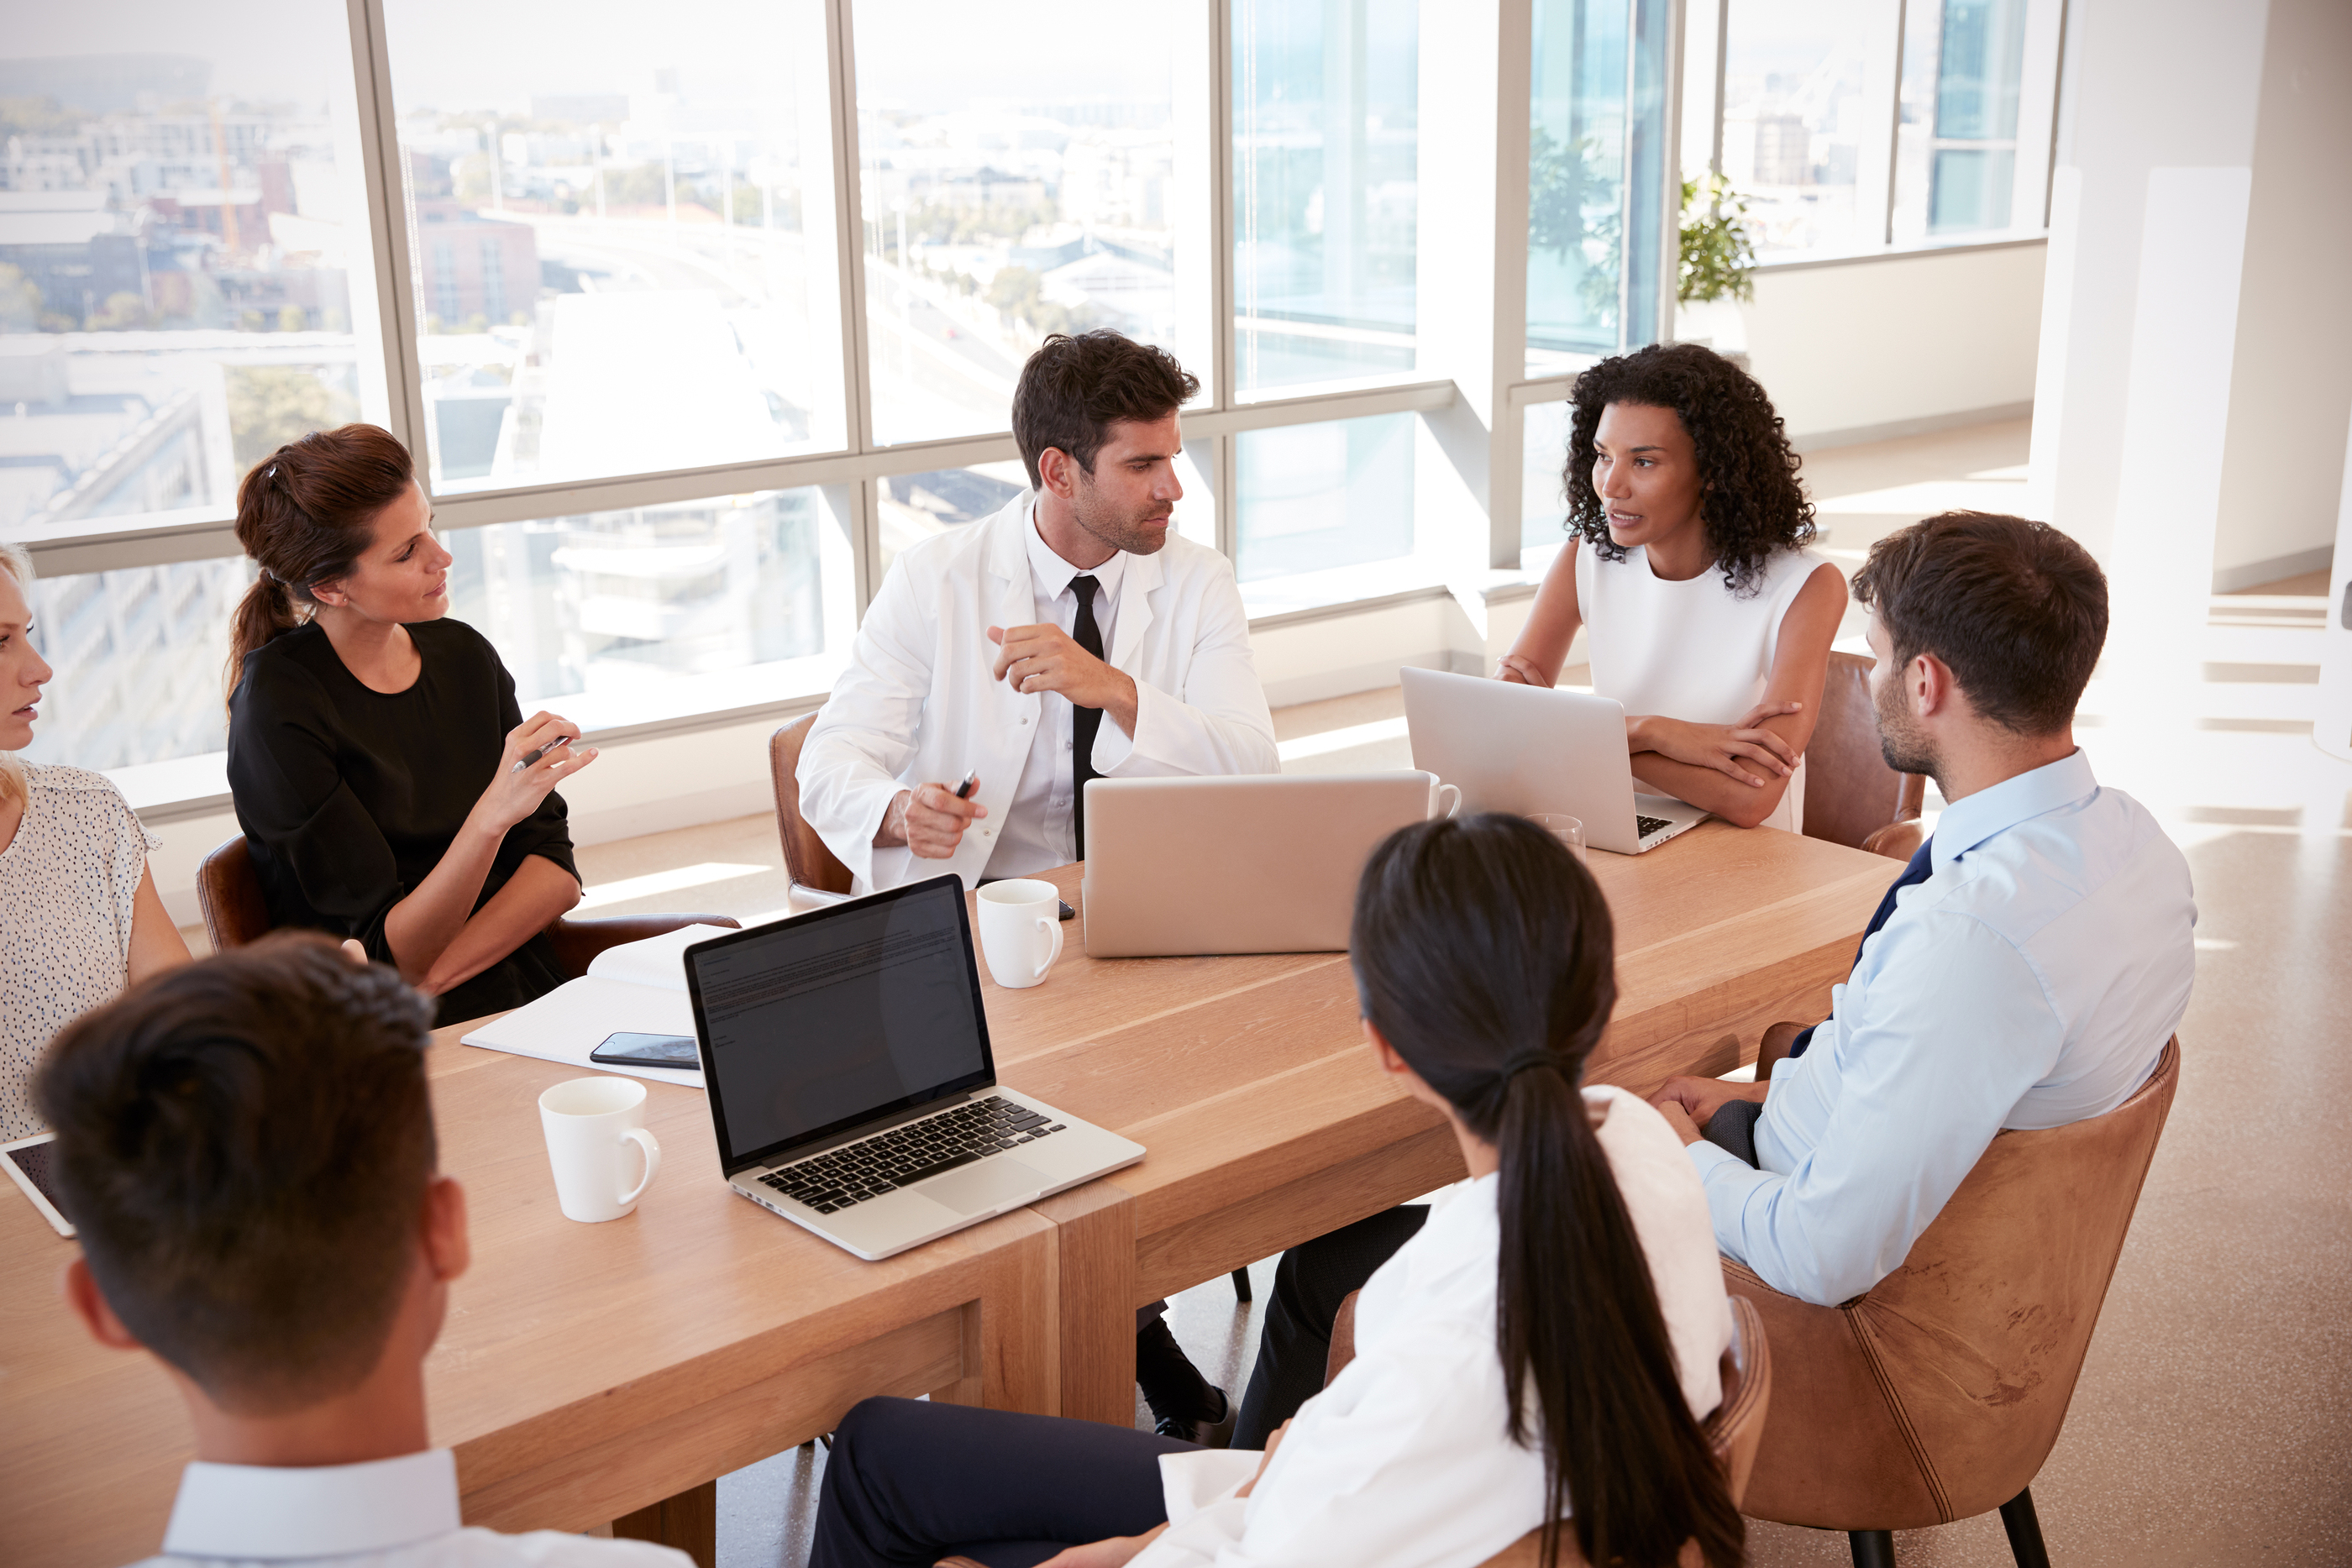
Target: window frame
point(1707, 29)
point(1470, 384)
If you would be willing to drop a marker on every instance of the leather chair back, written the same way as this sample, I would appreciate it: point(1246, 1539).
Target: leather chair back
point(1734, 1431)
point(810, 865)
point(234, 914)
point(1937, 1394)
point(1851, 796)
point(229, 896)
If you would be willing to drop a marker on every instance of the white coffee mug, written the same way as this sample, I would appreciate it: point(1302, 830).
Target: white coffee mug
point(1439, 804)
point(1020, 929)
point(590, 1124)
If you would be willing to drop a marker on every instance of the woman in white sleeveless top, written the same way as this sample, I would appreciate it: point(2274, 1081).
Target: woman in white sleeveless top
point(1710, 621)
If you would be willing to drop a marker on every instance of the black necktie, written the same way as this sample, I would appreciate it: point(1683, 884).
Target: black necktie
point(1084, 721)
point(1922, 866)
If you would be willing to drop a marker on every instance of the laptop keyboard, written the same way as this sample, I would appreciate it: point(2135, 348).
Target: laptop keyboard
point(1645, 826)
point(911, 1153)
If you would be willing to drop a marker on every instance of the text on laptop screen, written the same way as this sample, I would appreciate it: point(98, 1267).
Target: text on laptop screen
point(832, 1019)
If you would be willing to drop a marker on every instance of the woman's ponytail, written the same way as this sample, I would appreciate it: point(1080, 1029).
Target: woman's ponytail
point(306, 513)
point(1485, 955)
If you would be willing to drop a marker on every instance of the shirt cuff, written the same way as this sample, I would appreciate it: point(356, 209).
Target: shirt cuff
point(1711, 1157)
point(1114, 748)
point(1203, 1477)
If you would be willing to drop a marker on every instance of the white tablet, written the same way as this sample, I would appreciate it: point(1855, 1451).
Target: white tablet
point(31, 1164)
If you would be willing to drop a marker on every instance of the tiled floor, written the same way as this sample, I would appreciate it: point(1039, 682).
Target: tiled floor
point(2213, 1420)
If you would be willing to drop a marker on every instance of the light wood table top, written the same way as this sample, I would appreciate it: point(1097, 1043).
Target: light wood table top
point(585, 1371)
point(1248, 1080)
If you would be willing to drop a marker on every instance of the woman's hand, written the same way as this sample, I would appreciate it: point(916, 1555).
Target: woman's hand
point(512, 795)
point(1520, 670)
point(1722, 747)
point(1113, 1553)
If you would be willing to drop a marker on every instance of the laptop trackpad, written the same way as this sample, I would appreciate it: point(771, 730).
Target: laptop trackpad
point(989, 1185)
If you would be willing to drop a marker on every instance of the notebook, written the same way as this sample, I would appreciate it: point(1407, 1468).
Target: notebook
point(637, 986)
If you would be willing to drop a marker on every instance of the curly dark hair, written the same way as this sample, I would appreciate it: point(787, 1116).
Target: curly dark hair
point(1754, 505)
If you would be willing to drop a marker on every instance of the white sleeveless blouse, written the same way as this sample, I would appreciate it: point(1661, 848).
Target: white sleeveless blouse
point(1695, 650)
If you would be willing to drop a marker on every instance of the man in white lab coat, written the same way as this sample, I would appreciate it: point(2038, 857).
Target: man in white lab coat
point(1074, 634)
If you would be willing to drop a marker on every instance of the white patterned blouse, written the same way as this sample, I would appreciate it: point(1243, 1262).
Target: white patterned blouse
point(67, 881)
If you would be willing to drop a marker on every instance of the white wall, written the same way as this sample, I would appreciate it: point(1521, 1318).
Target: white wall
point(1870, 349)
point(2291, 389)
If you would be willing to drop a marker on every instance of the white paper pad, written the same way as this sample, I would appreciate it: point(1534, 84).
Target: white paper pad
point(573, 1019)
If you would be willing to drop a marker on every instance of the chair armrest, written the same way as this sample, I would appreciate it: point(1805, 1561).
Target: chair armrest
point(1343, 1339)
point(576, 941)
point(1896, 841)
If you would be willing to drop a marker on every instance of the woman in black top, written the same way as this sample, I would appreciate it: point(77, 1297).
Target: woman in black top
point(376, 751)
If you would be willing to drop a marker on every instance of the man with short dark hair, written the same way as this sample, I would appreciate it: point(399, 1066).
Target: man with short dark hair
point(245, 1147)
point(1073, 635)
point(2026, 969)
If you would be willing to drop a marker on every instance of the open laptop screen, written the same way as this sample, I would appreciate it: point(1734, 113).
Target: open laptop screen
point(813, 1025)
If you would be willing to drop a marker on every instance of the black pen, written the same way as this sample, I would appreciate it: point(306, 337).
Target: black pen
point(528, 757)
point(964, 789)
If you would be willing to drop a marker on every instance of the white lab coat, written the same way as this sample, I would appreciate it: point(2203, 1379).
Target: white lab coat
point(920, 703)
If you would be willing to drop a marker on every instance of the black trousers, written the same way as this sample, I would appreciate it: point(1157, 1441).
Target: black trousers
point(1309, 1283)
point(910, 1482)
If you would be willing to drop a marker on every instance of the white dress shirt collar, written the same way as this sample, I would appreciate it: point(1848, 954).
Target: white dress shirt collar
point(1971, 819)
point(1053, 574)
point(258, 1513)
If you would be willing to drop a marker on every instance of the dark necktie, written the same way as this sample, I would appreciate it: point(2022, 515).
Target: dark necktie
point(1922, 866)
point(1084, 721)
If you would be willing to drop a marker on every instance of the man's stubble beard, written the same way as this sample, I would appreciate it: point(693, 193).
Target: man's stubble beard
point(1899, 740)
point(1120, 532)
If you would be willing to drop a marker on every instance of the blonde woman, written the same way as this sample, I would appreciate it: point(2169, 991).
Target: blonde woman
point(79, 917)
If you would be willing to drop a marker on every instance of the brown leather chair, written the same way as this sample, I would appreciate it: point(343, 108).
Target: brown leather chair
point(1935, 1394)
point(1733, 1431)
point(1851, 796)
point(235, 913)
point(817, 874)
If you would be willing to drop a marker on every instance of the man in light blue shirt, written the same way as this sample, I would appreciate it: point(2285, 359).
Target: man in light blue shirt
point(2025, 973)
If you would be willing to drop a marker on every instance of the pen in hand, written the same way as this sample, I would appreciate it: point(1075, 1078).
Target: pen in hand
point(970, 782)
point(528, 757)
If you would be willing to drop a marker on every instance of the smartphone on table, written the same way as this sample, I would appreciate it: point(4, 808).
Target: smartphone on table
point(632, 1049)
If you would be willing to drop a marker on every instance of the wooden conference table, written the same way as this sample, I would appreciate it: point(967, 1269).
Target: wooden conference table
point(587, 1371)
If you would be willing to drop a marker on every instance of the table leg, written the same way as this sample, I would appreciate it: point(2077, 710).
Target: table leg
point(688, 1521)
point(1096, 1291)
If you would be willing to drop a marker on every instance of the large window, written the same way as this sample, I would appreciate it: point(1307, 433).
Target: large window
point(1850, 124)
point(697, 318)
point(621, 224)
point(1326, 169)
point(184, 253)
point(1015, 181)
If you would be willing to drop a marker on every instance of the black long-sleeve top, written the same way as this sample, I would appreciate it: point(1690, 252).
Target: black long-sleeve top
point(350, 797)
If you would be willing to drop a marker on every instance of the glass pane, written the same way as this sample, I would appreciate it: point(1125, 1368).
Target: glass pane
point(183, 250)
point(1793, 110)
point(1326, 513)
point(1576, 188)
point(1017, 179)
point(622, 226)
point(1955, 154)
point(1543, 492)
point(646, 612)
point(140, 657)
point(1326, 157)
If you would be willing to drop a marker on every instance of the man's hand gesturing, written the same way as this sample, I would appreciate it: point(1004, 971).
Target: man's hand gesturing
point(929, 820)
point(1045, 658)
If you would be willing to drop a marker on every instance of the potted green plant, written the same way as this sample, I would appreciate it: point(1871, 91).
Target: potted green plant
point(1717, 257)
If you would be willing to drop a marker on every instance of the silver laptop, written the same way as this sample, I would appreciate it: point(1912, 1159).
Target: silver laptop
point(1524, 749)
point(850, 1079)
point(1256, 863)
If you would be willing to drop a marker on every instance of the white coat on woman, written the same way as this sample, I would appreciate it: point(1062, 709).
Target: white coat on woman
point(920, 701)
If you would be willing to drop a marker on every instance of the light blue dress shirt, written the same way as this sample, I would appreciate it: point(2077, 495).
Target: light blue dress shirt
point(2029, 981)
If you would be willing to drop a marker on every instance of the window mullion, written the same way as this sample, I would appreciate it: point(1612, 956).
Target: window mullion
point(390, 235)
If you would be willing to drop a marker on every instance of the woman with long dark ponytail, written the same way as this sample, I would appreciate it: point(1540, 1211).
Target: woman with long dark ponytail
point(390, 789)
point(1539, 1355)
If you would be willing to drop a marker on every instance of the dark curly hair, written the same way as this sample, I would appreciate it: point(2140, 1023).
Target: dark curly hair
point(1754, 505)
